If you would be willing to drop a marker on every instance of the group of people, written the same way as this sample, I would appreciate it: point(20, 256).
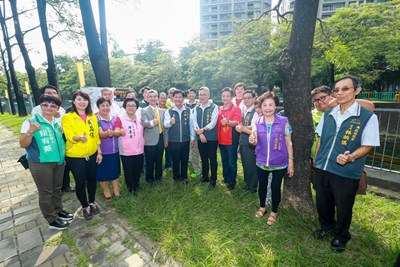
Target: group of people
point(141, 133)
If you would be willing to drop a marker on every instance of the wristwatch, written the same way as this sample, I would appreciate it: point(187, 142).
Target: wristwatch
point(353, 158)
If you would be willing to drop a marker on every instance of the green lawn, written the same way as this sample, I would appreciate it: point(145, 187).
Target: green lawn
point(199, 227)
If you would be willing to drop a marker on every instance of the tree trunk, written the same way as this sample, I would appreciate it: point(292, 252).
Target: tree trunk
point(103, 27)
point(51, 66)
point(18, 93)
point(99, 60)
point(295, 71)
point(6, 72)
point(28, 64)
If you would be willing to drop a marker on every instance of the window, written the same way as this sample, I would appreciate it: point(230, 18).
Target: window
point(332, 7)
point(225, 26)
point(239, 6)
point(225, 33)
point(225, 16)
point(212, 35)
point(225, 8)
point(240, 15)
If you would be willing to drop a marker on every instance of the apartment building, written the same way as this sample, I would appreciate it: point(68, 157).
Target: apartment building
point(217, 17)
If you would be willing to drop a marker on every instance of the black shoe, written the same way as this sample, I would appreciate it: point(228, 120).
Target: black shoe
point(94, 209)
point(338, 245)
point(320, 234)
point(68, 190)
point(65, 216)
point(204, 180)
point(230, 187)
point(59, 224)
point(211, 186)
point(87, 214)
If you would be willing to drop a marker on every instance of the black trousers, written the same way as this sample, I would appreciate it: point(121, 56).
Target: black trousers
point(208, 155)
point(132, 166)
point(276, 184)
point(248, 155)
point(154, 155)
point(84, 171)
point(66, 178)
point(180, 159)
point(334, 190)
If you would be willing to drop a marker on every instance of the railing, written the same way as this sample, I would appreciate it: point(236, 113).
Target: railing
point(381, 96)
point(387, 156)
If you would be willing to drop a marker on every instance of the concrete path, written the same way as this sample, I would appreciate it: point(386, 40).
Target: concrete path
point(26, 240)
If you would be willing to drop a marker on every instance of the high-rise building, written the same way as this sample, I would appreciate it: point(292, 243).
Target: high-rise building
point(217, 16)
point(327, 8)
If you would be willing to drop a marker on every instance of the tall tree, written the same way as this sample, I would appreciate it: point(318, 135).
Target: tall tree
point(103, 27)
point(149, 52)
point(362, 40)
point(20, 40)
point(295, 71)
point(98, 58)
point(8, 82)
point(18, 93)
point(51, 66)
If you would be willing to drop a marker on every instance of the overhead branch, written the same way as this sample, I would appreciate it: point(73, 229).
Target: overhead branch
point(59, 14)
point(62, 31)
point(32, 29)
point(274, 9)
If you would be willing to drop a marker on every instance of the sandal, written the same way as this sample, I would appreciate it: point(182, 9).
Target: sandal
point(261, 212)
point(272, 218)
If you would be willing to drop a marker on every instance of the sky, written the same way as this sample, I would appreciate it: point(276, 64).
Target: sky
point(131, 22)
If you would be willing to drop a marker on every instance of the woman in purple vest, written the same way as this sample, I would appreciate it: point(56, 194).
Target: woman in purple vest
point(110, 168)
point(274, 152)
point(131, 143)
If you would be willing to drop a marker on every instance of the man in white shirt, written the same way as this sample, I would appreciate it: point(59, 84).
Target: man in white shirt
point(50, 90)
point(205, 116)
point(108, 94)
point(346, 133)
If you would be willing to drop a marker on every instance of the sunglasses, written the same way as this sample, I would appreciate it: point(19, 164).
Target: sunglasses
point(46, 105)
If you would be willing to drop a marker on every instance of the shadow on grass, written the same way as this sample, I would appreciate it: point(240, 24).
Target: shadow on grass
point(202, 227)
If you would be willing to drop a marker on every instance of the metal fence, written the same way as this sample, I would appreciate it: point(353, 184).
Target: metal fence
point(380, 96)
point(387, 156)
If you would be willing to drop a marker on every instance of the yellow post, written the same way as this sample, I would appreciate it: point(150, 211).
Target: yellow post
point(81, 74)
point(5, 94)
point(27, 89)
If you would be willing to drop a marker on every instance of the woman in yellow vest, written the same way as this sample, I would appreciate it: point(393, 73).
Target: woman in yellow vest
point(83, 152)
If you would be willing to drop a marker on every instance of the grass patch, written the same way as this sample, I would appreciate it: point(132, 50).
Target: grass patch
point(103, 246)
point(93, 222)
point(112, 257)
point(127, 242)
point(12, 121)
point(55, 241)
point(199, 227)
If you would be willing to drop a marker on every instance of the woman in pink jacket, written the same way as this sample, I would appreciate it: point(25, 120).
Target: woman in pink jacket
point(130, 143)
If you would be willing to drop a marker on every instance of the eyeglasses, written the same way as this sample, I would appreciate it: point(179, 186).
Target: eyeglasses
point(247, 98)
point(46, 105)
point(131, 106)
point(322, 98)
point(343, 89)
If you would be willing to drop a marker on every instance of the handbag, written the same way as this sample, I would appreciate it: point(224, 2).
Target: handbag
point(23, 161)
point(362, 186)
